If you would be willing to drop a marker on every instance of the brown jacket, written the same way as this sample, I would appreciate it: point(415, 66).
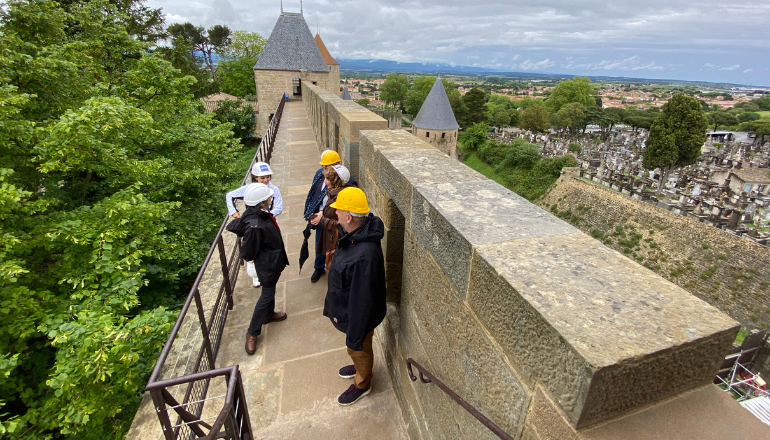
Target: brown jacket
point(328, 224)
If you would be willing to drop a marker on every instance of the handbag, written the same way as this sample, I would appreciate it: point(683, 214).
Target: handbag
point(330, 253)
point(250, 269)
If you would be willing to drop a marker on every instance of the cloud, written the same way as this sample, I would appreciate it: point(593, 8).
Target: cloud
point(599, 36)
point(748, 70)
point(536, 65)
point(627, 64)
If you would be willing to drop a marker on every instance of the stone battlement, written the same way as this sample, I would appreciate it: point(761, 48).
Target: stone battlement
point(539, 326)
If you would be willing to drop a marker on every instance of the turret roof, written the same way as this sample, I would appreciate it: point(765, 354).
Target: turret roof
point(346, 95)
point(291, 47)
point(325, 52)
point(436, 112)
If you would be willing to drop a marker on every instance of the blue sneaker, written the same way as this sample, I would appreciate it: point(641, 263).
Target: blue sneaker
point(352, 395)
point(348, 372)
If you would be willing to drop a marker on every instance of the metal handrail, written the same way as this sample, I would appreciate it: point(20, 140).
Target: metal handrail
point(204, 368)
point(426, 377)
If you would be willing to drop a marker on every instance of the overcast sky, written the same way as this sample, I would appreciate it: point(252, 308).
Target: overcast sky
point(707, 40)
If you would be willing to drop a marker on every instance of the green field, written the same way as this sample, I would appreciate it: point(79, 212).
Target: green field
point(765, 114)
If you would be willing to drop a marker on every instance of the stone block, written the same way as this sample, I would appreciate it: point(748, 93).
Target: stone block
point(459, 350)
point(352, 122)
point(371, 141)
point(402, 169)
point(453, 217)
point(602, 334)
point(545, 421)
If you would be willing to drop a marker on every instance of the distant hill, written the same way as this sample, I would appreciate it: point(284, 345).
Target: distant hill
point(386, 66)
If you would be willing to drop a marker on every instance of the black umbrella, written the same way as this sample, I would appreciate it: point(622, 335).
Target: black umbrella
point(304, 253)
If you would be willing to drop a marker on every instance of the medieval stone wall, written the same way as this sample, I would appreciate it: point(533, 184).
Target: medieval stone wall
point(272, 84)
point(717, 266)
point(537, 325)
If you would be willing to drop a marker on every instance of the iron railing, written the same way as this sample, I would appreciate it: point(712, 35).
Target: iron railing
point(426, 377)
point(192, 372)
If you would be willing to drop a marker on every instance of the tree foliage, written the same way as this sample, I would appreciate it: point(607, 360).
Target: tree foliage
point(676, 136)
point(111, 178)
point(394, 89)
point(576, 90)
point(535, 119)
point(474, 101)
point(215, 40)
point(243, 44)
point(236, 76)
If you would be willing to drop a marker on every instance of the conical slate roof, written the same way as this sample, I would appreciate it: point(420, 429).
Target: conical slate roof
point(324, 51)
point(346, 95)
point(436, 112)
point(291, 47)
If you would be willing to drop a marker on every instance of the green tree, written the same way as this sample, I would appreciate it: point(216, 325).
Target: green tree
point(240, 115)
point(244, 44)
point(215, 40)
point(572, 116)
point(502, 118)
point(236, 76)
point(577, 90)
point(575, 147)
point(721, 117)
point(110, 184)
point(364, 101)
point(474, 137)
point(676, 136)
point(747, 117)
point(417, 93)
point(394, 89)
point(474, 101)
point(535, 119)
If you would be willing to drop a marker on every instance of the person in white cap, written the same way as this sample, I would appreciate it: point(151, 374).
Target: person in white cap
point(260, 173)
point(336, 177)
point(263, 247)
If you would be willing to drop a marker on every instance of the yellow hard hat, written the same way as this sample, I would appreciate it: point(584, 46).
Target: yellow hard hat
point(330, 157)
point(352, 200)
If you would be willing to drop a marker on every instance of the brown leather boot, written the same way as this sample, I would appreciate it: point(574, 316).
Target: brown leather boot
point(251, 344)
point(277, 316)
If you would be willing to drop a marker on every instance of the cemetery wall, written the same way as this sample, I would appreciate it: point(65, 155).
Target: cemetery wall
point(537, 325)
point(713, 264)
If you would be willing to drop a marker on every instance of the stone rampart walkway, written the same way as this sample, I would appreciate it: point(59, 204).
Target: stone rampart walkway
point(292, 380)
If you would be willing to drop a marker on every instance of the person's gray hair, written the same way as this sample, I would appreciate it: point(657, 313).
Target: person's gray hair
point(264, 205)
point(355, 214)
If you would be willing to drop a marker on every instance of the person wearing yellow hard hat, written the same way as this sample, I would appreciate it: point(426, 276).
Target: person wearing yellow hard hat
point(336, 177)
point(314, 203)
point(355, 297)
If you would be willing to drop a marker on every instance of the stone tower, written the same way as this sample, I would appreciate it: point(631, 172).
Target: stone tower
point(334, 66)
point(290, 57)
point(435, 122)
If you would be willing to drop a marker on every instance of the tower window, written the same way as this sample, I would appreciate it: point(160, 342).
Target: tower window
point(442, 135)
point(427, 134)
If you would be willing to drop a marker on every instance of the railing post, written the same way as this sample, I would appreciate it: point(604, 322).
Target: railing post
point(243, 410)
point(225, 272)
point(160, 408)
point(204, 329)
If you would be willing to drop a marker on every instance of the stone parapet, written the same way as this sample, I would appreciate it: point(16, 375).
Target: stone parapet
point(505, 302)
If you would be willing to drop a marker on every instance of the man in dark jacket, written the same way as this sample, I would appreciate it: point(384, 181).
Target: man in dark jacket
point(314, 203)
point(262, 243)
point(355, 299)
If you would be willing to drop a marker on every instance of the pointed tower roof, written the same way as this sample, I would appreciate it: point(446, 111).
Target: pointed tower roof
point(291, 47)
point(346, 95)
point(436, 112)
point(324, 51)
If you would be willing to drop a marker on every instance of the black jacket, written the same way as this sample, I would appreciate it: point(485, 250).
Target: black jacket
point(262, 244)
point(355, 299)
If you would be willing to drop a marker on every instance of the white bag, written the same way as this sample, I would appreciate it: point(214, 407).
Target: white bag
point(250, 269)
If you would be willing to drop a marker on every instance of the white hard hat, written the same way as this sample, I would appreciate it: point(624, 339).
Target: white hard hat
point(342, 172)
point(261, 169)
point(255, 193)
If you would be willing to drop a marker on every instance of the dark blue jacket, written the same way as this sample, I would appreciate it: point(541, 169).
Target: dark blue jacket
point(355, 299)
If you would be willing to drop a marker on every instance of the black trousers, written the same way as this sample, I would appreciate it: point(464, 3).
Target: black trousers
point(265, 307)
